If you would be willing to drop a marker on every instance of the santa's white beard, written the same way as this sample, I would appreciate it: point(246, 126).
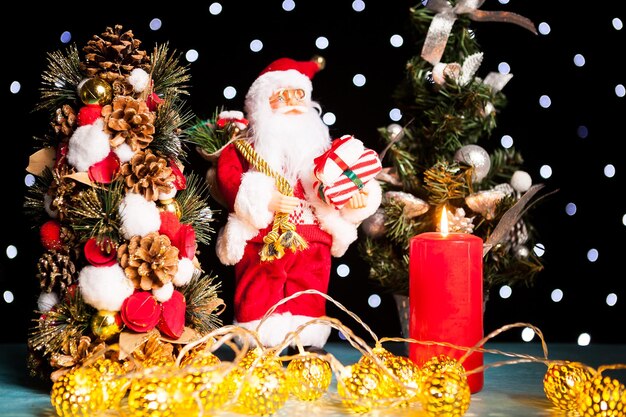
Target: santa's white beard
point(290, 142)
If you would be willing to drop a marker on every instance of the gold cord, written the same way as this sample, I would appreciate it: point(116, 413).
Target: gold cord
point(283, 234)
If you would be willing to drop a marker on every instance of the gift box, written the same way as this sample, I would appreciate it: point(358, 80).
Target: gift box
point(344, 169)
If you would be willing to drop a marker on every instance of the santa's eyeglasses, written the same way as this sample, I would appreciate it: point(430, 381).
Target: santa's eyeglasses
point(285, 95)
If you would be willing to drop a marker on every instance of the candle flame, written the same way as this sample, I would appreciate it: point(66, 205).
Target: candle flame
point(443, 223)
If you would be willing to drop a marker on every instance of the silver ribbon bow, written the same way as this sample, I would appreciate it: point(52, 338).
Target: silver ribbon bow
point(440, 27)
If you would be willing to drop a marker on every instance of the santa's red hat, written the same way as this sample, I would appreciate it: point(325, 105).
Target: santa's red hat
point(282, 73)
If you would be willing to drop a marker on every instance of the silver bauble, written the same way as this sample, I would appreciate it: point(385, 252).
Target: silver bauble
point(394, 130)
point(477, 157)
point(374, 225)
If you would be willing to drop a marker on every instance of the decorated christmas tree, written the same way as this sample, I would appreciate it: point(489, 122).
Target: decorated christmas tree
point(119, 221)
point(438, 159)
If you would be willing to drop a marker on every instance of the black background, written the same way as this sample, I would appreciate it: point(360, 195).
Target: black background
point(359, 43)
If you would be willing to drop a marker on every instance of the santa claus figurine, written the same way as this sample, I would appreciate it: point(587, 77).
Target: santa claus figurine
point(271, 176)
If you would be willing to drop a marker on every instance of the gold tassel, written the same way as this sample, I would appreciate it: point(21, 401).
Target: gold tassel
point(283, 234)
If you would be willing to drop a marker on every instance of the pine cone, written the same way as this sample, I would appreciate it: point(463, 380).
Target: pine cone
point(147, 174)
point(56, 271)
point(129, 121)
point(73, 353)
point(150, 261)
point(61, 190)
point(64, 122)
point(154, 352)
point(112, 56)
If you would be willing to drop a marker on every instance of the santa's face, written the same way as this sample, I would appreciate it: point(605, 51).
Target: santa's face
point(288, 101)
point(291, 135)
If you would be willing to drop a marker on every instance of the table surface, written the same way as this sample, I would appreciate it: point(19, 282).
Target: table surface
point(511, 390)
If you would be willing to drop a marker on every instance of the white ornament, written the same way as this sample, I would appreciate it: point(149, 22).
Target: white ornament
point(443, 71)
point(170, 194)
point(163, 293)
point(521, 181)
point(139, 79)
point(394, 130)
point(47, 300)
point(89, 144)
point(477, 157)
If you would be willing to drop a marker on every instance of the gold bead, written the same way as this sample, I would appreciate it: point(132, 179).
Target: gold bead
point(95, 91)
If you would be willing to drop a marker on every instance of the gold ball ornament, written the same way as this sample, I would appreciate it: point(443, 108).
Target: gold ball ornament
point(439, 364)
point(602, 396)
point(308, 377)
point(264, 388)
point(445, 393)
point(162, 392)
point(105, 324)
point(171, 205)
point(95, 91)
point(77, 393)
point(563, 383)
point(204, 390)
point(404, 381)
point(361, 387)
point(320, 61)
point(235, 376)
point(114, 383)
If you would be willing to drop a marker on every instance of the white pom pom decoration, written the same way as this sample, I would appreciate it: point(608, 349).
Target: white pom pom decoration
point(164, 293)
point(139, 79)
point(168, 195)
point(124, 152)
point(89, 144)
point(185, 272)
point(139, 216)
point(104, 287)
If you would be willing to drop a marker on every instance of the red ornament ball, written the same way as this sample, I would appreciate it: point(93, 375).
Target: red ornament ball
point(50, 235)
point(89, 114)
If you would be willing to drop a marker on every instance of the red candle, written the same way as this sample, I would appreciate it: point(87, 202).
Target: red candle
point(446, 297)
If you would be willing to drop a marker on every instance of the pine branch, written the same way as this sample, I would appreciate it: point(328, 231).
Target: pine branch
point(69, 319)
point(169, 76)
point(203, 304)
point(207, 136)
point(171, 116)
point(94, 212)
point(193, 201)
point(60, 79)
point(446, 181)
